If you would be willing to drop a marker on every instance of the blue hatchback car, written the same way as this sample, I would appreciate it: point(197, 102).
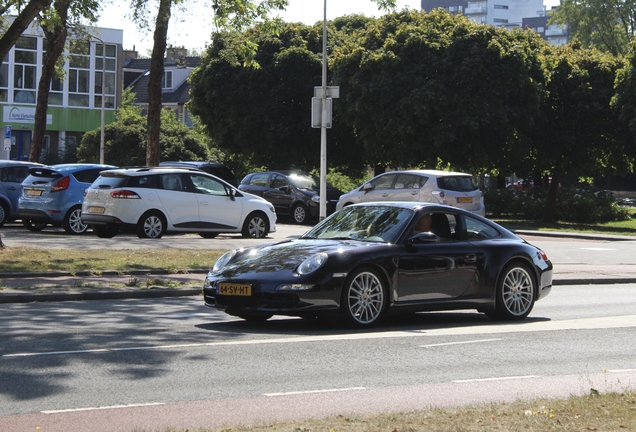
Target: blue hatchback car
point(53, 195)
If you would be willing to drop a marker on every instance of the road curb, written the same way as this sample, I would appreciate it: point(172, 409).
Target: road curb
point(101, 295)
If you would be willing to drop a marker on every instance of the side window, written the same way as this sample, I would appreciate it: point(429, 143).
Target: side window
point(407, 181)
point(383, 182)
point(208, 186)
point(87, 176)
point(420, 181)
point(278, 181)
point(148, 182)
point(3, 174)
point(171, 182)
point(477, 230)
point(259, 180)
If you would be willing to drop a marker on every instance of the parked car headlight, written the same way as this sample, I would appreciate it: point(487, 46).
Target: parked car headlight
point(222, 261)
point(316, 199)
point(312, 263)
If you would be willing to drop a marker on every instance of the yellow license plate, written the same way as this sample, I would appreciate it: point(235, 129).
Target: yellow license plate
point(97, 210)
point(465, 200)
point(33, 192)
point(235, 289)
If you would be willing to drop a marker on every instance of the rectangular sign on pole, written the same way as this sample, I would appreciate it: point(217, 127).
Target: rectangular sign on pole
point(316, 113)
point(332, 92)
point(7, 144)
point(7, 132)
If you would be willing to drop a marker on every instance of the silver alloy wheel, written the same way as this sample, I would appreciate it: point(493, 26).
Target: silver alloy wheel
point(256, 227)
point(153, 226)
point(517, 291)
point(300, 214)
point(75, 224)
point(365, 298)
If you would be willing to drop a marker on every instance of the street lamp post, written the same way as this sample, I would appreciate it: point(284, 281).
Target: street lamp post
point(323, 127)
point(101, 129)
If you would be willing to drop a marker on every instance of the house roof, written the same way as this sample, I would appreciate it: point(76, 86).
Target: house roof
point(179, 95)
point(144, 64)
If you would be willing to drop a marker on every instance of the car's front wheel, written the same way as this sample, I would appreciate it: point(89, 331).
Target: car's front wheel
point(73, 223)
point(255, 226)
point(33, 226)
point(4, 213)
point(151, 225)
point(515, 294)
point(363, 298)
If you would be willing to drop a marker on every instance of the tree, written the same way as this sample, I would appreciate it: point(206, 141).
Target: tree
point(56, 22)
point(602, 24)
point(23, 19)
point(580, 134)
point(126, 139)
point(436, 90)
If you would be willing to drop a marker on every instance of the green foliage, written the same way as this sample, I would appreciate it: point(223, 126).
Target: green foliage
point(342, 181)
point(125, 139)
point(575, 204)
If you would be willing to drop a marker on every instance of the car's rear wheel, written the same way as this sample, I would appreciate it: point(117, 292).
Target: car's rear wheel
point(255, 226)
point(300, 214)
point(208, 235)
point(105, 231)
point(4, 213)
point(363, 298)
point(151, 225)
point(33, 226)
point(515, 296)
point(72, 223)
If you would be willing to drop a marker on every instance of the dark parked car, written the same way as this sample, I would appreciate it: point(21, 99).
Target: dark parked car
point(12, 173)
point(294, 193)
point(215, 168)
point(367, 260)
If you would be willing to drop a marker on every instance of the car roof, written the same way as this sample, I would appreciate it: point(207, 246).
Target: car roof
point(138, 171)
point(437, 173)
point(69, 168)
point(191, 163)
point(8, 162)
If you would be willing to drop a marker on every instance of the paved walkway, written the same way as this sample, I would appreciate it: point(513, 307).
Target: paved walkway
point(28, 287)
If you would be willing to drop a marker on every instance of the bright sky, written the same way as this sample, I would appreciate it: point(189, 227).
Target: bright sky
point(191, 28)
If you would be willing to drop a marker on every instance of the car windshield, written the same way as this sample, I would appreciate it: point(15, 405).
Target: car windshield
point(365, 223)
point(304, 181)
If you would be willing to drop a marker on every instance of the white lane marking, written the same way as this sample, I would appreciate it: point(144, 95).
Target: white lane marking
point(101, 408)
point(496, 379)
point(625, 321)
point(620, 370)
point(314, 391)
point(598, 249)
point(460, 343)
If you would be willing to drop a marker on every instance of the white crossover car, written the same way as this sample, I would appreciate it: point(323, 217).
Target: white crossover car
point(153, 201)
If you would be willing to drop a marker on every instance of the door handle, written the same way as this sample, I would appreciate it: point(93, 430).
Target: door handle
point(470, 258)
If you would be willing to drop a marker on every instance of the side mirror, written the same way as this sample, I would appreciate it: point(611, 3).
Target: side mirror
point(421, 238)
point(233, 194)
point(367, 187)
point(284, 189)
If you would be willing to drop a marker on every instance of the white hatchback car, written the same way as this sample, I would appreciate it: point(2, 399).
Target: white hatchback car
point(153, 201)
point(432, 186)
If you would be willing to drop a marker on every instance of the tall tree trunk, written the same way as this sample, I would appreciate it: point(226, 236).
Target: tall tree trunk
point(57, 39)
point(154, 82)
point(553, 189)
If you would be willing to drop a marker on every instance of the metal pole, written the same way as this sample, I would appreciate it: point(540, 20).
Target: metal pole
point(323, 128)
point(101, 131)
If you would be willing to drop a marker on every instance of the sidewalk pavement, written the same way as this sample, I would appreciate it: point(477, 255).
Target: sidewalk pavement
point(60, 286)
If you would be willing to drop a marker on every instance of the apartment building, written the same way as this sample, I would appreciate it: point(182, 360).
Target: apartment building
point(92, 70)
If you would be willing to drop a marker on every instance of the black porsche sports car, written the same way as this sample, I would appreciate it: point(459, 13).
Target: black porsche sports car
point(366, 260)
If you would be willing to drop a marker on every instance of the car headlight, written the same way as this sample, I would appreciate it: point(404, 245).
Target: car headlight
point(316, 199)
point(312, 263)
point(271, 207)
point(222, 261)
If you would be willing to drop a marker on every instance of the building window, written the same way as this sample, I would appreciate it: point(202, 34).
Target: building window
point(105, 61)
point(500, 21)
point(540, 29)
point(79, 74)
point(166, 83)
point(4, 80)
point(452, 8)
point(25, 70)
point(56, 92)
point(501, 7)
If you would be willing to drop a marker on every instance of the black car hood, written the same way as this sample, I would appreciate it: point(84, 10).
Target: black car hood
point(333, 194)
point(288, 254)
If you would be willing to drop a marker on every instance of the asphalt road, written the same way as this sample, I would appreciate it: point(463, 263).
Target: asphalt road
point(121, 365)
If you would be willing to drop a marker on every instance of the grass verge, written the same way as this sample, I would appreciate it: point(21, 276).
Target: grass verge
point(595, 412)
point(21, 259)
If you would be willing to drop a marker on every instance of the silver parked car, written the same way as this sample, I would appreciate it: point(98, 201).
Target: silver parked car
point(432, 186)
